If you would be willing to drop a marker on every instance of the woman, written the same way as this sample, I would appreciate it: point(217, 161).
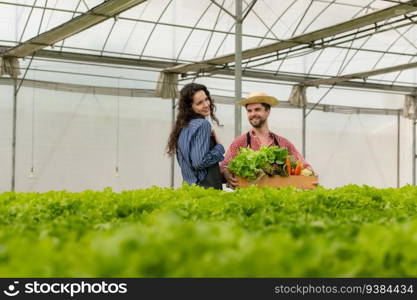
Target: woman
point(197, 146)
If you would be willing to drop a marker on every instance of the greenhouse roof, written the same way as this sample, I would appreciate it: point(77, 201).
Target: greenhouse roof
point(305, 39)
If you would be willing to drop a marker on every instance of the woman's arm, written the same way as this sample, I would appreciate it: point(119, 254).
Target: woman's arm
point(200, 153)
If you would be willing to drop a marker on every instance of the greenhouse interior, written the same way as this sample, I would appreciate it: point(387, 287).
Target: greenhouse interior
point(83, 78)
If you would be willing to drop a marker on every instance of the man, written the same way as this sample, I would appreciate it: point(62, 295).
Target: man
point(258, 107)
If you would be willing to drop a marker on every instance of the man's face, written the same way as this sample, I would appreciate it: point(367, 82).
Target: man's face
point(257, 114)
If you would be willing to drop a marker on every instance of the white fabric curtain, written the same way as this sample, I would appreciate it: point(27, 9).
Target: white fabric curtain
point(9, 66)
point(298, 96)
point(167, 86)
point(410, 107)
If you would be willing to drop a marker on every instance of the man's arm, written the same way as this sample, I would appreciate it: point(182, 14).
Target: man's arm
point(230, 154)
point(292, 150)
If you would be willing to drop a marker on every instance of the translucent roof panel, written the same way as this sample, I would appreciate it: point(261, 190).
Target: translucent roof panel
point(187, 31)
point(30, 18)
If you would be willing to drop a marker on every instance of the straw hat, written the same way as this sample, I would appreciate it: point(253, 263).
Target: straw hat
point(259, 98)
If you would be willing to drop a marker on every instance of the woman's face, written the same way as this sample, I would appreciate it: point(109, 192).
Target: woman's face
point(201, 104)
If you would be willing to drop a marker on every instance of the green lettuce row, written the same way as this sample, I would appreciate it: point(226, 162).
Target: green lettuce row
point(192, 232)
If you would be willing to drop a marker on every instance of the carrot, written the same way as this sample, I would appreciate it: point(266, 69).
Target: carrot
point(298, 168)
point(288, 163)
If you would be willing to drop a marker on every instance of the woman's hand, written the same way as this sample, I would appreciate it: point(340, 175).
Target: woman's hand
point(216, 138)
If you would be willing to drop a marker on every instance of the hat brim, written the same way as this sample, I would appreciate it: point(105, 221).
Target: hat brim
point(260, 99)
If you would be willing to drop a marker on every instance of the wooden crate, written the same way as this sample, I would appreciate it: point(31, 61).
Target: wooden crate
point(301, 182)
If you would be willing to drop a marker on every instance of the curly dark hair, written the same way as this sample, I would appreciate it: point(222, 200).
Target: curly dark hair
point(186, 113)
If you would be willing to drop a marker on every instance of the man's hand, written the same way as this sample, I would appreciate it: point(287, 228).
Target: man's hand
point(230, 178)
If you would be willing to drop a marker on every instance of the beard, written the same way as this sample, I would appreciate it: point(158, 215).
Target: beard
point(257, 122)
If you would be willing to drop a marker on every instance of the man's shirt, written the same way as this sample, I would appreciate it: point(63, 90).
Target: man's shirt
point(241, 141)
point(193, 151)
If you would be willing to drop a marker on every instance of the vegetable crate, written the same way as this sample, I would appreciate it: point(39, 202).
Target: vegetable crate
point(301, 182)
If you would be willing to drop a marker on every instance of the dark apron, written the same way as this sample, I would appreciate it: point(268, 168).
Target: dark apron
point(249, 141)
point(214, 178)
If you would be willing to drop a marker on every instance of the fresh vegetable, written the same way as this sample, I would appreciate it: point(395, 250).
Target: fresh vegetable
point(307, 172)
point(251, 164)
point(297, 170)
point(288, 165)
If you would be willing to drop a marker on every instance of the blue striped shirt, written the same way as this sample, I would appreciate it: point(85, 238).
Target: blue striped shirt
point(193, 151)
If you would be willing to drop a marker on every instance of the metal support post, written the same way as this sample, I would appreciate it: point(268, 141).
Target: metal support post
point(414, 152)
point(304, 132)
point(172, 157)
point(398, 148)
point(14, 135)
point(238, 67)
